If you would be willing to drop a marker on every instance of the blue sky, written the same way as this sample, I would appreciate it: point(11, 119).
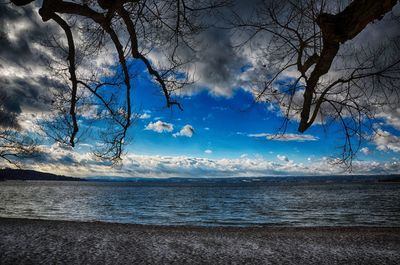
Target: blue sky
point(233, 129)
point(216, 135)
point(229, 126)
point(220, 124)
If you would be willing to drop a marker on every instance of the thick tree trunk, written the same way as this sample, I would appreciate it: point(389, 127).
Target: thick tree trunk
point(337, 29)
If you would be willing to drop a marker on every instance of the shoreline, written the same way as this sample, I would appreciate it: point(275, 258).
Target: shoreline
point(36, 241)
point(253, 227)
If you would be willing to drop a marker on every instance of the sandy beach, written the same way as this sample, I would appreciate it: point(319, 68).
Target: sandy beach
point(24, 241)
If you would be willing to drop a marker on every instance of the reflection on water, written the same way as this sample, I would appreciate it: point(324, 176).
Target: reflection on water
point(289, 205)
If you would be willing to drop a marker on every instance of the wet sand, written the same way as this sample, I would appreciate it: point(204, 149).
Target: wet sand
point(24, 241)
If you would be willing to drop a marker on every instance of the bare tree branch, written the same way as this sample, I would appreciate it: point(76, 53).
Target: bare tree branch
point(334, 78)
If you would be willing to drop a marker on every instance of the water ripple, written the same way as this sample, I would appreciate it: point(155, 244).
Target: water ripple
point(289, 205)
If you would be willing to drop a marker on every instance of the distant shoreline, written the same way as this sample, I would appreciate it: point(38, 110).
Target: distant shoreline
point(32, 175)
point(26, 241)
point(24, 175)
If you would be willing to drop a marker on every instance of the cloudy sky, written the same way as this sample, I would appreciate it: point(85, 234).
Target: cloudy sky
point(222, 131)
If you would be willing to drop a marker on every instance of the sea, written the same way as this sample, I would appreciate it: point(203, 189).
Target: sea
point(229, 202)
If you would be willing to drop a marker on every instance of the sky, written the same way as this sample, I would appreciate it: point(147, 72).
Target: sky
point(221, 132)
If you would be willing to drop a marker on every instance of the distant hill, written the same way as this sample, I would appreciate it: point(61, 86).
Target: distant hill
point(250, 181)
point(20, 174)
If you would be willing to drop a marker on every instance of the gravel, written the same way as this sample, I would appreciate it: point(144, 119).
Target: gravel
point(24, 241)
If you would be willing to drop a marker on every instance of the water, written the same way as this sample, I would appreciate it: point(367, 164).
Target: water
point(373, 204)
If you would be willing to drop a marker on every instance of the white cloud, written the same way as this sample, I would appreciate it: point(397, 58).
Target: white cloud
point(89, 112)
point(29, 122)
point(186, 131)
point(282, 158)
point(256, 134)
point(208, 151)
point(286, 137)
point(391, 116)
point(271, 107)
point(365, 150)
point(64, 160)
point(145, 116)
point(85, 145)
point(160, 127)
point(385, 141)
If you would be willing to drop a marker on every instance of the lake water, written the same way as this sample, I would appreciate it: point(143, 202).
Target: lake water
point(350, 204)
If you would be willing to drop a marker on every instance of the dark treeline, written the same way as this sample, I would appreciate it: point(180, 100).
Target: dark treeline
point(19, 174)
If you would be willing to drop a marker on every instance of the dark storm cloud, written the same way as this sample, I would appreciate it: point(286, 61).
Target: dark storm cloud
point(8, 117)
point(17, 94)
point(219, 60)
point(24, 81)
point(218, 63)
point(18, 51)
